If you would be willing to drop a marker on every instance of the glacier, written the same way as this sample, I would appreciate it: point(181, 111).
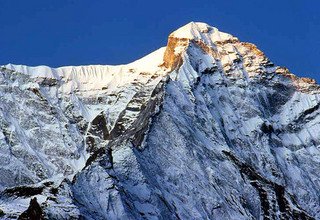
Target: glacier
point(204, 128)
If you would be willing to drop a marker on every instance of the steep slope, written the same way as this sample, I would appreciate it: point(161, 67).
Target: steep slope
point(51, 120)
point(206, 128)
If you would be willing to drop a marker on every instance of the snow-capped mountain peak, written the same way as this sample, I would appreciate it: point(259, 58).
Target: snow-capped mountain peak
point(204, 128)
point(200, 31)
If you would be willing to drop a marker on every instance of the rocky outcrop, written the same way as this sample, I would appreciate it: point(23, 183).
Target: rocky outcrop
point(172, 58)
point(34, 211)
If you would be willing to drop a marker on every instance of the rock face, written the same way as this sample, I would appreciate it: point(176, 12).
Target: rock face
point(206, 128)
point(34, 212)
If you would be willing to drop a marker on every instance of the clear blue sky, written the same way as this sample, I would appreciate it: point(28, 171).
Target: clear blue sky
point(75, 32)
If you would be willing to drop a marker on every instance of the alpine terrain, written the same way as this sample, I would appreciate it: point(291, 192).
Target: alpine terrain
point(204, 128)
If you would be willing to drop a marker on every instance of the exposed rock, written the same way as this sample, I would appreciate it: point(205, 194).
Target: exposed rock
point(267, 128)
point(172, 59)
point(34, 211)
point(22, 191)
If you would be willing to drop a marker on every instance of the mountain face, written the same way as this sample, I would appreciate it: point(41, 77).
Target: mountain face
point(205, 128)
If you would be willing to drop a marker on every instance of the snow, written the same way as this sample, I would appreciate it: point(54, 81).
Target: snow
point(99, 74)
point(91, 79)
point(200, 31)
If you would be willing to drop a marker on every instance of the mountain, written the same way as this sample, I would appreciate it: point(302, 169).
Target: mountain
point(204, 128)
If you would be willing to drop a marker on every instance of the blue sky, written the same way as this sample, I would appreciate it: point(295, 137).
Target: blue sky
point(77, 32)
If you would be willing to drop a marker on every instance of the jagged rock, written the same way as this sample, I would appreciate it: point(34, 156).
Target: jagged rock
point(34, 211)
point(22, 191)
